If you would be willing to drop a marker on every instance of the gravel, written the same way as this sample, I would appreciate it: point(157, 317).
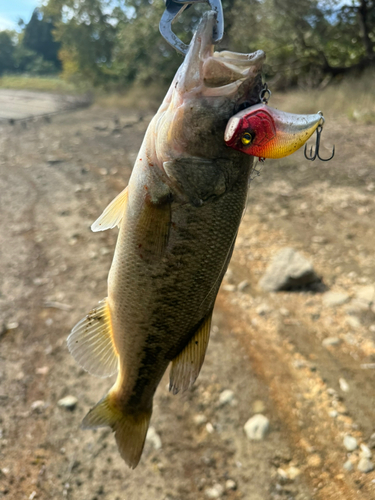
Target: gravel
point(69, 402)
point(365, 465)
point(226, 397)
point(153, 438)
point(350, 443)
point(215, 492)
point(348, 465)
point(365, 451)
point(331, 341)
point(243, 285)
point(333, 299)
point(257, 427)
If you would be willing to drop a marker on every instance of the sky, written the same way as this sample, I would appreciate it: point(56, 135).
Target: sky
point(12, 10)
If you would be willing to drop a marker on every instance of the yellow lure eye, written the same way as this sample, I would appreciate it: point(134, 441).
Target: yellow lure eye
point(246, 139)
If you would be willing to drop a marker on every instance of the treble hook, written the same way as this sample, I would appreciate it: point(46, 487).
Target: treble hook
point(312, 157)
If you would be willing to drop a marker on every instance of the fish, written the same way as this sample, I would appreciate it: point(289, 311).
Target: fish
point(265, 132)
point(178, 220)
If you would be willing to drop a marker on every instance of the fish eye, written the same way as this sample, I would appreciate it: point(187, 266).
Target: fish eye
point(246, 138)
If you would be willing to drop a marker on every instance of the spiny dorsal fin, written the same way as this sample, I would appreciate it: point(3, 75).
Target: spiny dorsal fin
point(91, 342)
point(130, 428)
point(187, 365)
point(113, 214)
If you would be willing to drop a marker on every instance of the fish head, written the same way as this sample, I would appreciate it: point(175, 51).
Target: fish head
point(269, 133)
point(207, 90)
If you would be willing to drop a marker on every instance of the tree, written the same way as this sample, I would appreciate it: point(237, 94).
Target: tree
point(38, 37)
point(7, 47)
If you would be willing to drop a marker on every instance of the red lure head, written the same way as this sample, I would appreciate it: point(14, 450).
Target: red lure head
point(268, 133)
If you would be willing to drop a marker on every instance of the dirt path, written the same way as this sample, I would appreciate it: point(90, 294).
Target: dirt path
point(267, 348)
point(25, 104)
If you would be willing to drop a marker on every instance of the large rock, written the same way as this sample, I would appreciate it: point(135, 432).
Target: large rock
point(288, 269)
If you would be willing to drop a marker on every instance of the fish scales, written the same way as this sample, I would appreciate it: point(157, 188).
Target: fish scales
point(178, 222)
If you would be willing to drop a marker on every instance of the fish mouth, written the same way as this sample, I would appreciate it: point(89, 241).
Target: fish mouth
point(217, 73)
point(266, 132)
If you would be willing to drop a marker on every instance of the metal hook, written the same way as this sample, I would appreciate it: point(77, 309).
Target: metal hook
point(174, 8)
point(312, 156)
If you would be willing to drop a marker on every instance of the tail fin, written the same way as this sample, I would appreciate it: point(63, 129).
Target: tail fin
point(130, 429)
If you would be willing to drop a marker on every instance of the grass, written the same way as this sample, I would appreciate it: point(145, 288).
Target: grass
point(40, 83)
point(352, 97)
point(140, 97)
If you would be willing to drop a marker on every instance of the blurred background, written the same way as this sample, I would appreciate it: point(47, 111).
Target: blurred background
point(284, 408)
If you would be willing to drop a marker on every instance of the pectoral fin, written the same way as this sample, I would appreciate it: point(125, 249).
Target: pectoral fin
point(113, 214)
point(152, 229)
point(91, 342)
point(187, 365)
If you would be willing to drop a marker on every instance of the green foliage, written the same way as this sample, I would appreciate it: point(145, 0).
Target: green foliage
point(32, 51)
point(7, 47)
point(116, 43)
point(38, 37)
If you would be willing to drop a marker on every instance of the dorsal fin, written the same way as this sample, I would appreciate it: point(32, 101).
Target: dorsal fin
point(91, 342)
point(113, 214)
point(187, 365)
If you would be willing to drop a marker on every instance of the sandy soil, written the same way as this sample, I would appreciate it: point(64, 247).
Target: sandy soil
point(55, 179)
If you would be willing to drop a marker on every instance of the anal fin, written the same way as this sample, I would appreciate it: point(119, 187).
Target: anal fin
point(91, 342)
point(187, 365)
point(113, 214)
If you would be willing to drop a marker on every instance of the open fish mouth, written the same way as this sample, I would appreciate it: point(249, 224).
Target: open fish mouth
point(216, 73)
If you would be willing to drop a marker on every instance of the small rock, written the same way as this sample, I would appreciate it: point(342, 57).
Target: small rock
point(258, 406)
point(215, 492)
point(350, 443)
point(229, 288)
point(226, 397)
point(292, 473)
point(210, 428)
point(257, 427)
point(288, 269)
point(366, 294)
point(69, 402)
point(353, 321)
point(200, 419)
point(365, 451)
point(372, 328)
point(263, 309)
point(12, 325)
point(105, 251)
point(344, 386)
point(243, 285)
point(331, 341)
point(332, 299)
point(333, 413)
point(284, 311)
point(348, 465)
point(230, 484)
point(356, 306)
point(314, 460)
point(153, 438)
point(38, 406)
point(43, 370)
point(365, 465)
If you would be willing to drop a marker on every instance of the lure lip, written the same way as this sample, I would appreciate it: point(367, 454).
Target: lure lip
point(274, 133)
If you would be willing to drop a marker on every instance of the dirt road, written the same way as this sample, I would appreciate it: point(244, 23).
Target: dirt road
point(25, 104)
point(55, 179)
